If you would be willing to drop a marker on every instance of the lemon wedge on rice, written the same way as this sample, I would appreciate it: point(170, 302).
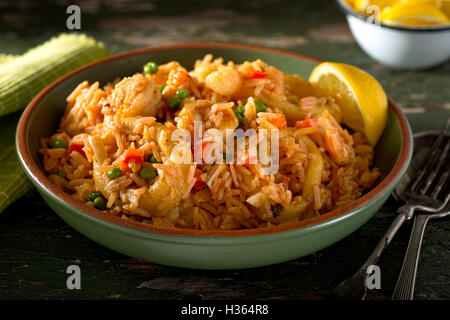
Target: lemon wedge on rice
point(361, 97)
point(413, 13)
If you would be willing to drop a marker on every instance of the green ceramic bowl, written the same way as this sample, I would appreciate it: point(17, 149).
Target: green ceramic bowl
point(201, 249)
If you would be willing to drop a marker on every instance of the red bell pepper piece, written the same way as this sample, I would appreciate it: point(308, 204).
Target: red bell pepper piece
point(78, 148)
point(306, 123)
point(256, 74)
point(131, 154)
point(198, 183)
point(278, 121)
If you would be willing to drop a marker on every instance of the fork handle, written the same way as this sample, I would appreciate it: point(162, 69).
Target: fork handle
point(404, 289)
point(355, 286)
point(388, 236)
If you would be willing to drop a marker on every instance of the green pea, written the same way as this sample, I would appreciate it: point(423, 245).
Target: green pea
point(94, 195)
point(99, 203)
point(174, 103)
point(153, 159)
point(239, 115)
point(114, 173)
point(161, 87)
point(151, 68)
point(260, 107)
point(148, 173)
point(60, 144)
point(183, 93)
point(62, 174)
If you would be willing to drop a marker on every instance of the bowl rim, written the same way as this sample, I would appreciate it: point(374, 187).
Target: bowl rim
point(38, 177)
point(347, 9)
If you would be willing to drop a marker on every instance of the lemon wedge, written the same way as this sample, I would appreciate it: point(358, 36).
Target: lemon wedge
point(413, 13)
point(362, 99)
point(443, 5)
point(362, 5)
point(350, 2)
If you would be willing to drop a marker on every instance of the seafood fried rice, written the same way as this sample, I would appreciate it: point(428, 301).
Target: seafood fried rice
point(115, 149)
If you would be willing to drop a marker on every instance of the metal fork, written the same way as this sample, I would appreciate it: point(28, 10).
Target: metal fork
point(417, 196)
point(404, 289)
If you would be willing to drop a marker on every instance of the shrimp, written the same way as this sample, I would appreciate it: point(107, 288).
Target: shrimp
point(172, 183)
point(136, 96)
point(167, 186)
point(206, 66)
point(225, 81)
point(167, 191)
point(299, 205)
point(338, 141)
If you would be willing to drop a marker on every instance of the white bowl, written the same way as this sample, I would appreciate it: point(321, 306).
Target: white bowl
point(399, 47)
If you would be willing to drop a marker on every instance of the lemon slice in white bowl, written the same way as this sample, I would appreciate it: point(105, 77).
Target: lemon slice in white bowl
point(413, 13)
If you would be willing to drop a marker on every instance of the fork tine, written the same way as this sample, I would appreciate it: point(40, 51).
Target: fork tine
point(441, 182)
point(436, 168)
point(431, 159)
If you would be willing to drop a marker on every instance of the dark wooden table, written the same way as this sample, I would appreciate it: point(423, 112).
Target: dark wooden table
point(36, 246)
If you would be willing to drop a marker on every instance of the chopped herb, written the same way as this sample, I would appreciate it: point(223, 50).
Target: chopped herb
point(239, 116)
point(260, 107)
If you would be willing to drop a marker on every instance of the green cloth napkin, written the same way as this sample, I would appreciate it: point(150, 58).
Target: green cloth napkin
point(21, 78)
